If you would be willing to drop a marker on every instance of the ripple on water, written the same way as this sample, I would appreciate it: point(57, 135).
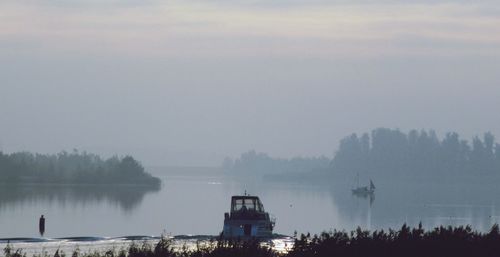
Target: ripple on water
point(31, 246)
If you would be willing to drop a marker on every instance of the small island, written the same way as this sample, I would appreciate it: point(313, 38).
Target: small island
point(72, 168)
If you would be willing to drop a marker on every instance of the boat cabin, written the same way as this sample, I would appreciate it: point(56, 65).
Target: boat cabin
point(246, 203)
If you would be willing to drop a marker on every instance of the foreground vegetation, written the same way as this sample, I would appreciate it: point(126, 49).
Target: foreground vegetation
point(407, 242)
point(72, 168)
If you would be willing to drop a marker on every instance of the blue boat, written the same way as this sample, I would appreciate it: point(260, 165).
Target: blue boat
point(247, 219)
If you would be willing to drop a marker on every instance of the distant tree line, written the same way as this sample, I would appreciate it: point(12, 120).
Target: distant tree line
point(388, 153)
point(252, 162)
point(74, 167)
point(391, 152)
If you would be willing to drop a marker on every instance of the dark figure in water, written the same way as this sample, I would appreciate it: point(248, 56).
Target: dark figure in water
point(41, 225)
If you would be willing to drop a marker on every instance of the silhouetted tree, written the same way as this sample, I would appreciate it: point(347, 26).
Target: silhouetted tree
point(391, 153)
point(252, 163)
point(75, 167)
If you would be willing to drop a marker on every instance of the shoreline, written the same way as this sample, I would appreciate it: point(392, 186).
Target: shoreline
point(407, 241)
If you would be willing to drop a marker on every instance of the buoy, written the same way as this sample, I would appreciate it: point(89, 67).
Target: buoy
point(41, 225)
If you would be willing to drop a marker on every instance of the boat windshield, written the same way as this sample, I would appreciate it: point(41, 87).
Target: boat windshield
point(246, 204)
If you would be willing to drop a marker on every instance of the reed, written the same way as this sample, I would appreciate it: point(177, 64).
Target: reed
point(443, 241)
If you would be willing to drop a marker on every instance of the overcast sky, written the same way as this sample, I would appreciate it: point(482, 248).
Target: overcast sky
point(189, 82)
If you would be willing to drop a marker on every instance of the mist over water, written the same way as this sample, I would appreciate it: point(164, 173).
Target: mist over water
point(338, 115)
point(192, 201)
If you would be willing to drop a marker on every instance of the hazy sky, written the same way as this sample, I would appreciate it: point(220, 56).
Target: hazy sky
point(188, 82)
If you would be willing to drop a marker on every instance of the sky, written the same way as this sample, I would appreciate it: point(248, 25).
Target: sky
point(186, 83)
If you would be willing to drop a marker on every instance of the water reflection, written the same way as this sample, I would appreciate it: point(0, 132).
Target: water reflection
point(301, 207)
point(126, 197)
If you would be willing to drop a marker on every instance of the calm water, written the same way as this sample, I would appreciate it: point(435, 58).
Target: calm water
point(192, 204)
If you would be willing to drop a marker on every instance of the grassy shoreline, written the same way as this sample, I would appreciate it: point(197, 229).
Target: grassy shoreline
point(405, 242)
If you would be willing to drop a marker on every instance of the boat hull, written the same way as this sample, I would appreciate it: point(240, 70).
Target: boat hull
point(247, 228)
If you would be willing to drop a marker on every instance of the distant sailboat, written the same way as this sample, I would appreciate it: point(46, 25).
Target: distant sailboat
point(363, 191)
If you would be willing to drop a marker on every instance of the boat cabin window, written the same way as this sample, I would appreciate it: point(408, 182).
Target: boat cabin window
point(246, 204)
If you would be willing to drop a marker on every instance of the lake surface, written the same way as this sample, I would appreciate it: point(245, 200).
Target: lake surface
point(193, 202)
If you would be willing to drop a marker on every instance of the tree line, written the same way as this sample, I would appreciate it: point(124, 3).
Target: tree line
point(74, 167)
point(390, 152)
point(253, 162)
